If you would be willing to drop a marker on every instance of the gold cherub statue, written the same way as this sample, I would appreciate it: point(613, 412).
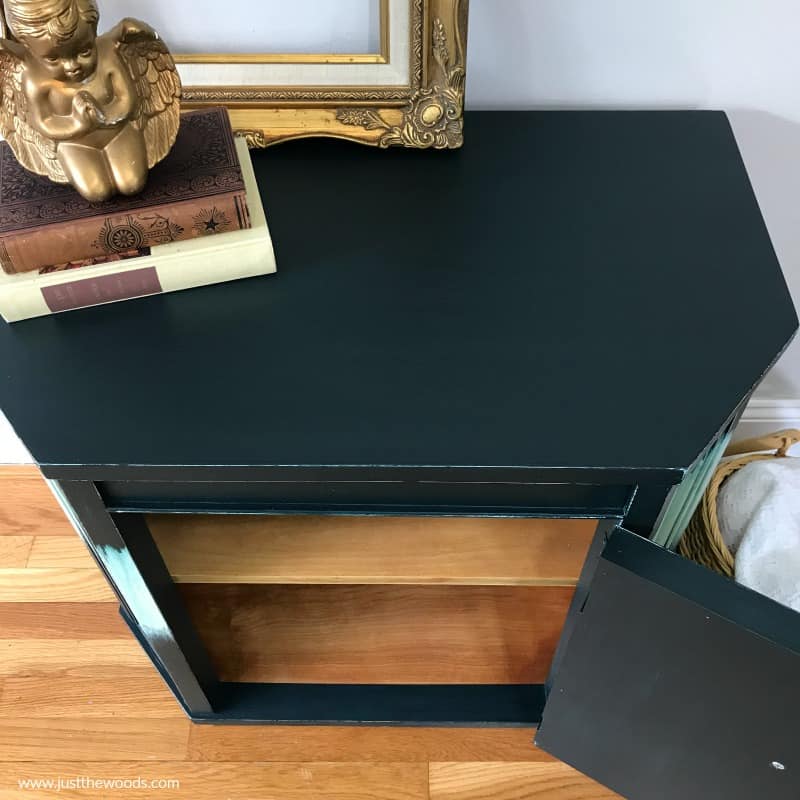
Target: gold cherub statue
point(94, 111)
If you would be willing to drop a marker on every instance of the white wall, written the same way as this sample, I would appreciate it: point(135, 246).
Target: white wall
point(242, 26)
point(739, 55)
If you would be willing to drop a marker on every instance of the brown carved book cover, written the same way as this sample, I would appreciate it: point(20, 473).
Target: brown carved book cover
point(198, 190)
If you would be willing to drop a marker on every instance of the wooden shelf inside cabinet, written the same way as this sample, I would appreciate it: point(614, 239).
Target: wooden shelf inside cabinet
point(372, 550)
point(372, 634)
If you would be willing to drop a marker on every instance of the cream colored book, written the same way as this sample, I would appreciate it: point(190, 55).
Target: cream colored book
point(168, 268)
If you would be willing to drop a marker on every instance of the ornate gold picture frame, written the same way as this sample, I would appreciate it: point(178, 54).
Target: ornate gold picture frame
point(410, 94)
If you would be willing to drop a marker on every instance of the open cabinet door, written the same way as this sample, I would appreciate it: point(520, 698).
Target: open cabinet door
point(676, 683)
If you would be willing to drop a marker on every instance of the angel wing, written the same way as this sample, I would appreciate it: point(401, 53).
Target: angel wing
point(159, 88)
point(33, 150)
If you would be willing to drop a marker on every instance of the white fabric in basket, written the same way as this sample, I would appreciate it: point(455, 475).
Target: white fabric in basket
point(759, 515)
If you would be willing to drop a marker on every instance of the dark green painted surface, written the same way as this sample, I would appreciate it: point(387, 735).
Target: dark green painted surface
point(556, 294)
point(676, 682)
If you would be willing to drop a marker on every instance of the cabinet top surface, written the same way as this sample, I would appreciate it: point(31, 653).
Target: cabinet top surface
point(572, 289)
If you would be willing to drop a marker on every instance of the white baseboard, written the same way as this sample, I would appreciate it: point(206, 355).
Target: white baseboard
point(766, 415)
point(763, 415)
point(12, 451)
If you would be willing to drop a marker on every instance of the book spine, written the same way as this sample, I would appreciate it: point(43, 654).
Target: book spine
point(138, 277)
point(97, 237)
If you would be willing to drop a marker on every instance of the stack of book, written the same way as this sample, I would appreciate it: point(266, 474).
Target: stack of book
point(199, 221)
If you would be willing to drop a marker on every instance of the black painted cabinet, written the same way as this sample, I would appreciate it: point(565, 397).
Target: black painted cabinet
point(537, 325)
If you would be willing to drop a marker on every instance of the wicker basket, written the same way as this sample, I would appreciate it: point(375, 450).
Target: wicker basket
point(703, 541)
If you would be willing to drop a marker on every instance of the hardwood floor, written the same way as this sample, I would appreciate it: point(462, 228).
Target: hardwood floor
point(79, 700)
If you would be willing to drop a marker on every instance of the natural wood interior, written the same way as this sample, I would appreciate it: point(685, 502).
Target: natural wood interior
point(326, 599)
point(379, 634)
point(372, 550)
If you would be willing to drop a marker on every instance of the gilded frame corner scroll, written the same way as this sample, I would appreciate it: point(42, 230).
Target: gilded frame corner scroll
point(427, 112)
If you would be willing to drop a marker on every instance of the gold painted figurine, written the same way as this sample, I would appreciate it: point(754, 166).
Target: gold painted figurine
point(94, 111)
